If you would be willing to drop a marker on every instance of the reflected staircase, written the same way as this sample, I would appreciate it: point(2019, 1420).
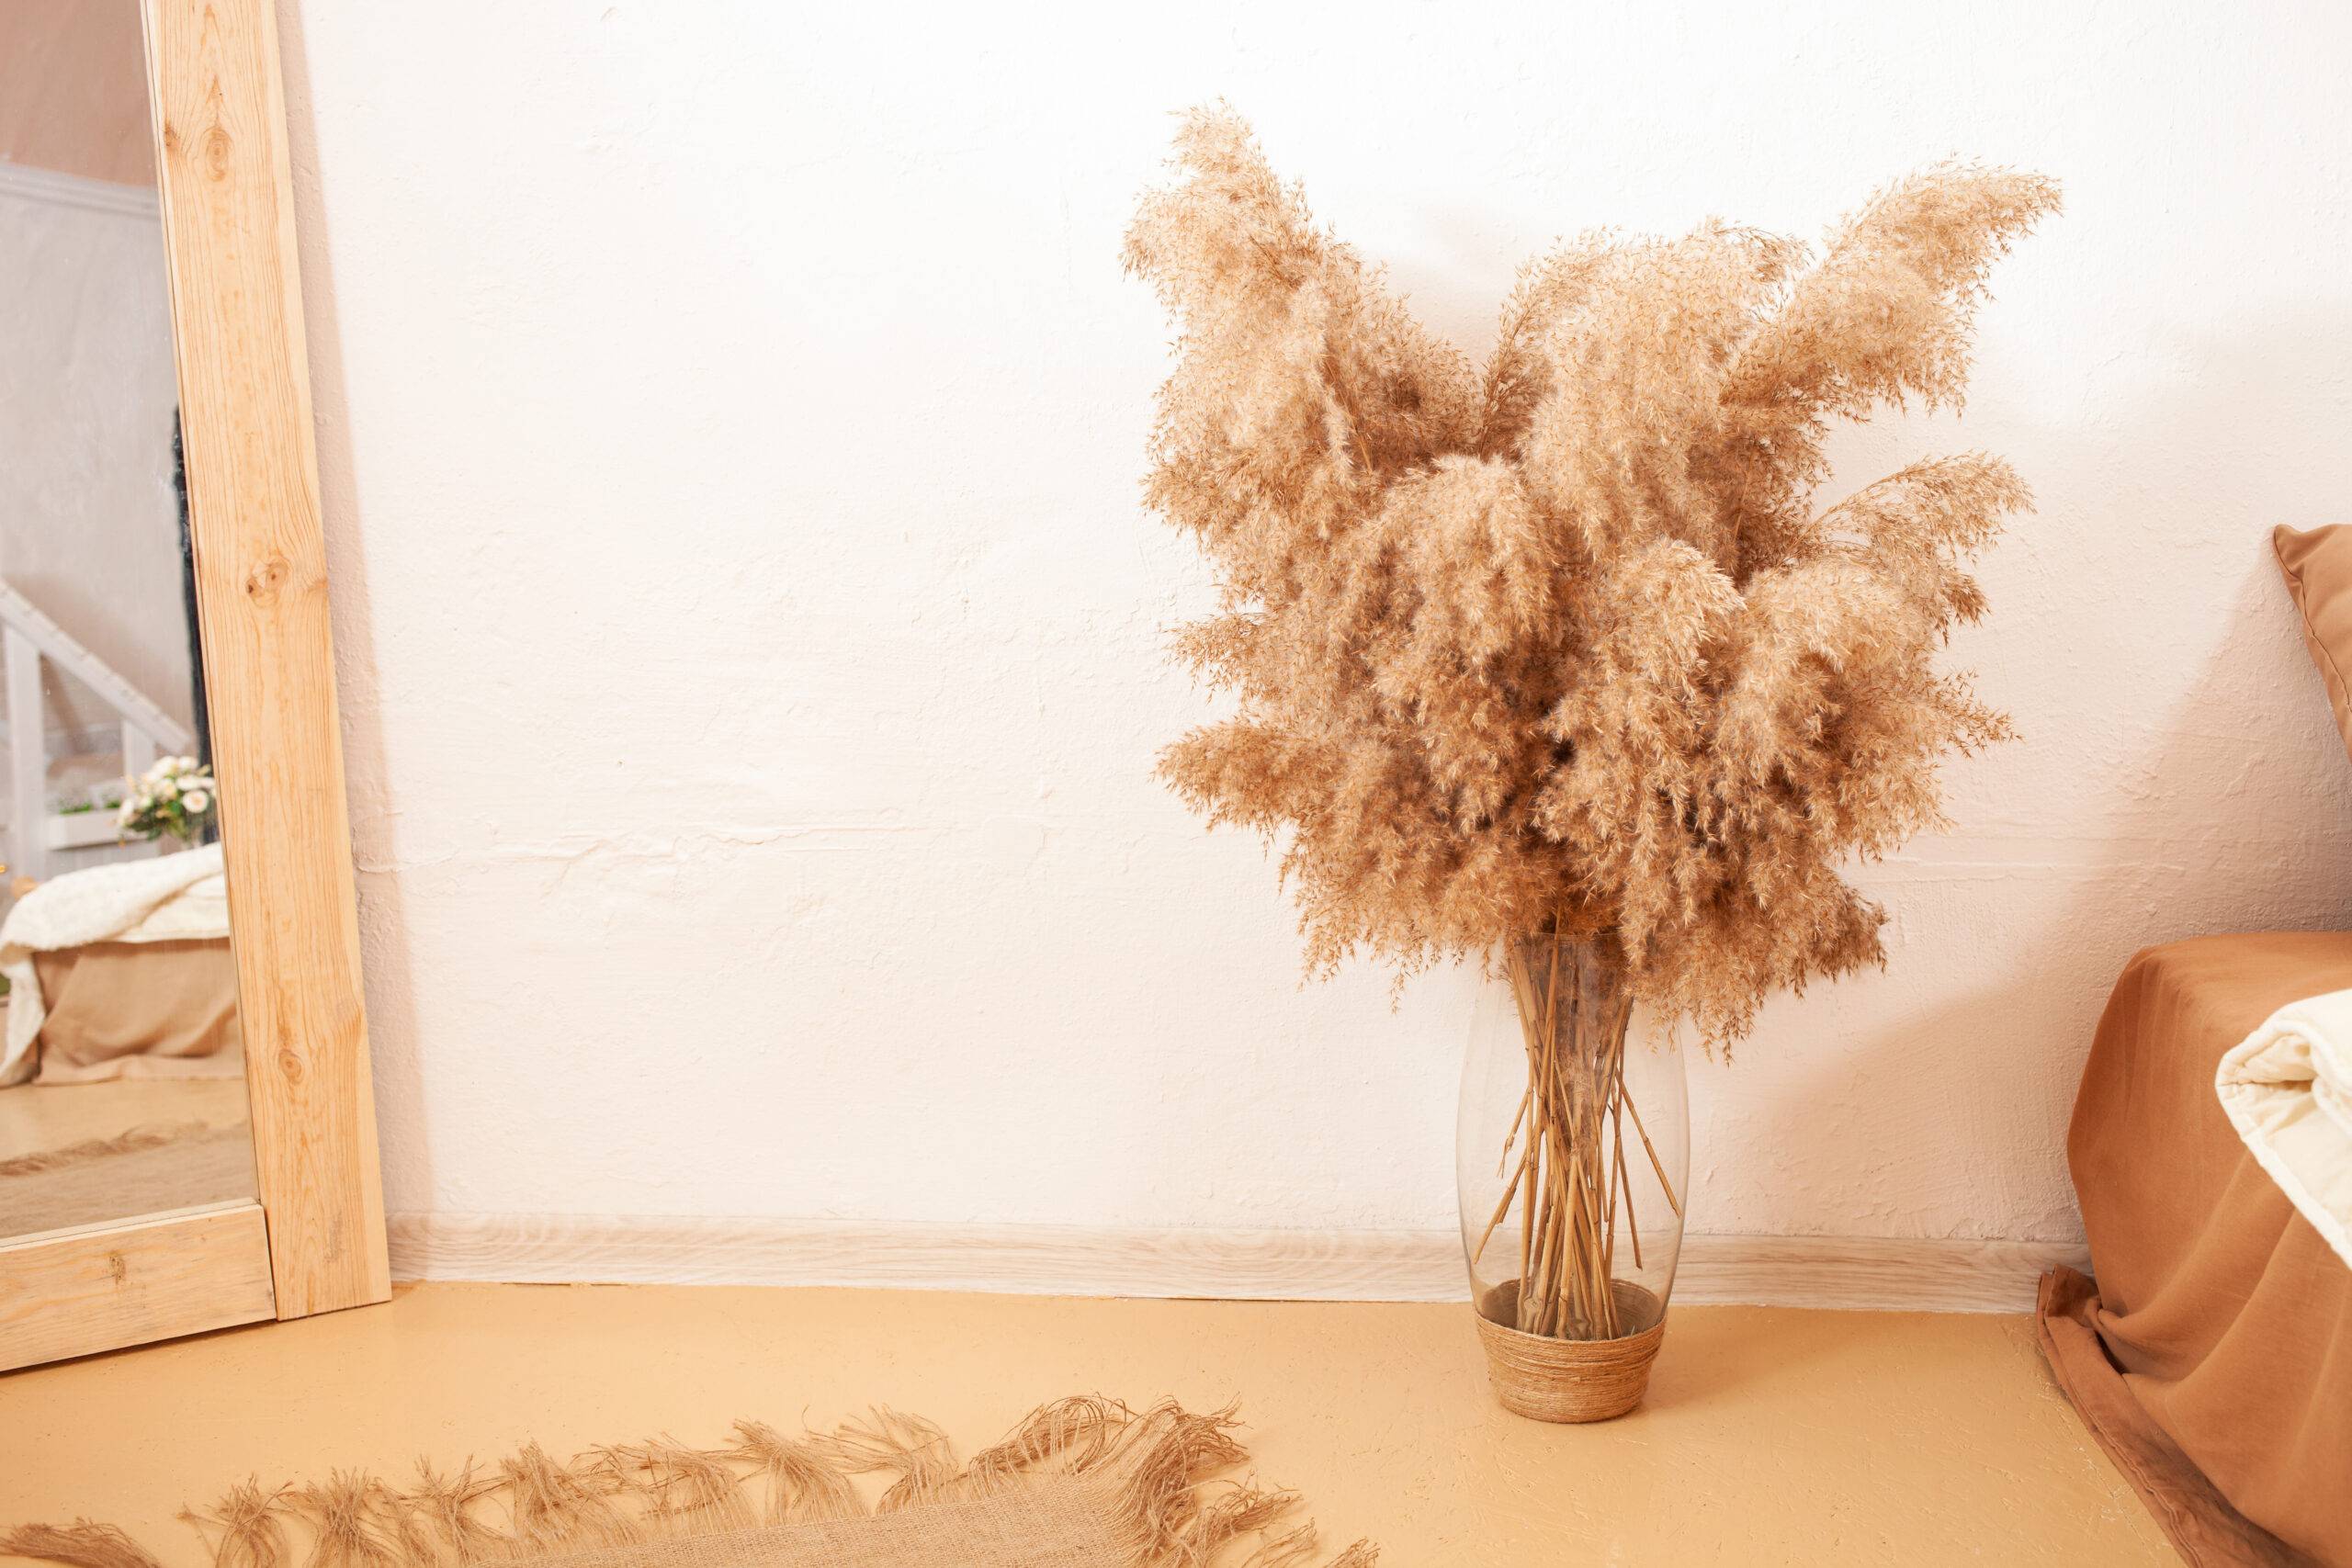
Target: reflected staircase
point(41, 841)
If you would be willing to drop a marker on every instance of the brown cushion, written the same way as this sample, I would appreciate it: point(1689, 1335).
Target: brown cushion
point(2318, 565)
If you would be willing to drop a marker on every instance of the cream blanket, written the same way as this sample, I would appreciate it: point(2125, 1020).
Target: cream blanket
point(2288, 1090)
point(169, 898)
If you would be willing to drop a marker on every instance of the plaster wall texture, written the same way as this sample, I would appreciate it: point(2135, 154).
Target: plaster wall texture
point(751, 640)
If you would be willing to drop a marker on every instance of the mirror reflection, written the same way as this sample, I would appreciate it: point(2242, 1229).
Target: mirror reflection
point(121, 1085)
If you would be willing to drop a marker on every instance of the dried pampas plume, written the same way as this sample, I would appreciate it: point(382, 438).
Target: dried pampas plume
point(1562, 645)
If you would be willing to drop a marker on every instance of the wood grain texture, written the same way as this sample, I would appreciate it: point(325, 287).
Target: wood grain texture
point(269, 659)
point(93, 1290)
point(1870, 1273)
point(1867, 1272)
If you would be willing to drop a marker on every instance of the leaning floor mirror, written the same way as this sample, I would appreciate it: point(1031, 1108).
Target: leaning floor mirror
point(186, 1133)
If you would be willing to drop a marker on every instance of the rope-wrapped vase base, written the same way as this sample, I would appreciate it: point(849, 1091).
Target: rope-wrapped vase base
point(1083, 1482)
point(1571, 1380)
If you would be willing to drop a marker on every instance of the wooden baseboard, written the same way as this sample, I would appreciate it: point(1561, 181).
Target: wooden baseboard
point(1868, 1272)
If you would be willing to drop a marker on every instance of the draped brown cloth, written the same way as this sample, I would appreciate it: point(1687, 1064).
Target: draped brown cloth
point(139, 1009)
point(2213, 1357)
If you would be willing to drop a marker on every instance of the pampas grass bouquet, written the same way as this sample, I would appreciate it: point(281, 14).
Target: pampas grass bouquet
point(1553, 661)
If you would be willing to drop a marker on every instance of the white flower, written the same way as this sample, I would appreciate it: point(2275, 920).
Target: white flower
point(196, 800)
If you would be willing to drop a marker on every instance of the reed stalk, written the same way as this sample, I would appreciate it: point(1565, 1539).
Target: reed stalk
point(1572, 1182)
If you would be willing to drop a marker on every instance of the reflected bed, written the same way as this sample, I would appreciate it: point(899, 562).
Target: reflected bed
point(124, 1045)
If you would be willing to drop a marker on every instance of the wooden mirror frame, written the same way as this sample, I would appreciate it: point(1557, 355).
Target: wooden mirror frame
point(313, 1240)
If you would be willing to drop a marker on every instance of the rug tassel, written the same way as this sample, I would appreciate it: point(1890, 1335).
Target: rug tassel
point(1296, 1549)
point(691, 1492)
point(1242, 1511)
point(449, 1504)
point(252, 1533)
point(916, 1451)
point(802, 1487)
point(1159, 1461)
point(1288, 1550)
point(557, 1511)
point(404, 1523)
point(1074, 1433)
point(343, 1529)
point(79, 1545)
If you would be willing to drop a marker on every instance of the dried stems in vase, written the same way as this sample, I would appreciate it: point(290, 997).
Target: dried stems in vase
point(1564, 1159)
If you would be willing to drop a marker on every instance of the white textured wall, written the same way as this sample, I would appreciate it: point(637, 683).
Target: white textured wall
point(752, 641)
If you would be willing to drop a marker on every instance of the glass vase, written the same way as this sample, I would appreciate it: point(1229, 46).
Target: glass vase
point(1572, 1158)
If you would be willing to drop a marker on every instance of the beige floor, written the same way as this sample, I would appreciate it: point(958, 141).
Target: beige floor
point(1770, 1436)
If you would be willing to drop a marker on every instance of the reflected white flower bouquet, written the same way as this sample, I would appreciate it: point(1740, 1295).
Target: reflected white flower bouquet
point(176, 796)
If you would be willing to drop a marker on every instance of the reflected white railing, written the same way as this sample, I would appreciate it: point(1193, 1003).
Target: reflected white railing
point(28, 637)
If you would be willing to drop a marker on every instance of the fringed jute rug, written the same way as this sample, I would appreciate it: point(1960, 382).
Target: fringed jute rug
point(1084, 1483)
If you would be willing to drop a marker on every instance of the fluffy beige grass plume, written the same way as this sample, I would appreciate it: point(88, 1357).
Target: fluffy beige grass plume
point(1563, 644)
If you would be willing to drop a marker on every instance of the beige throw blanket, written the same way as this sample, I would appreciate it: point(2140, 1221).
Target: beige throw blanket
point(1084, 1483)
point(2287, 1090)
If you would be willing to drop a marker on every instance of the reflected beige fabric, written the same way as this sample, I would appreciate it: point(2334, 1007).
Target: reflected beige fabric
point(155, 1010)
point(2222, 1321)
